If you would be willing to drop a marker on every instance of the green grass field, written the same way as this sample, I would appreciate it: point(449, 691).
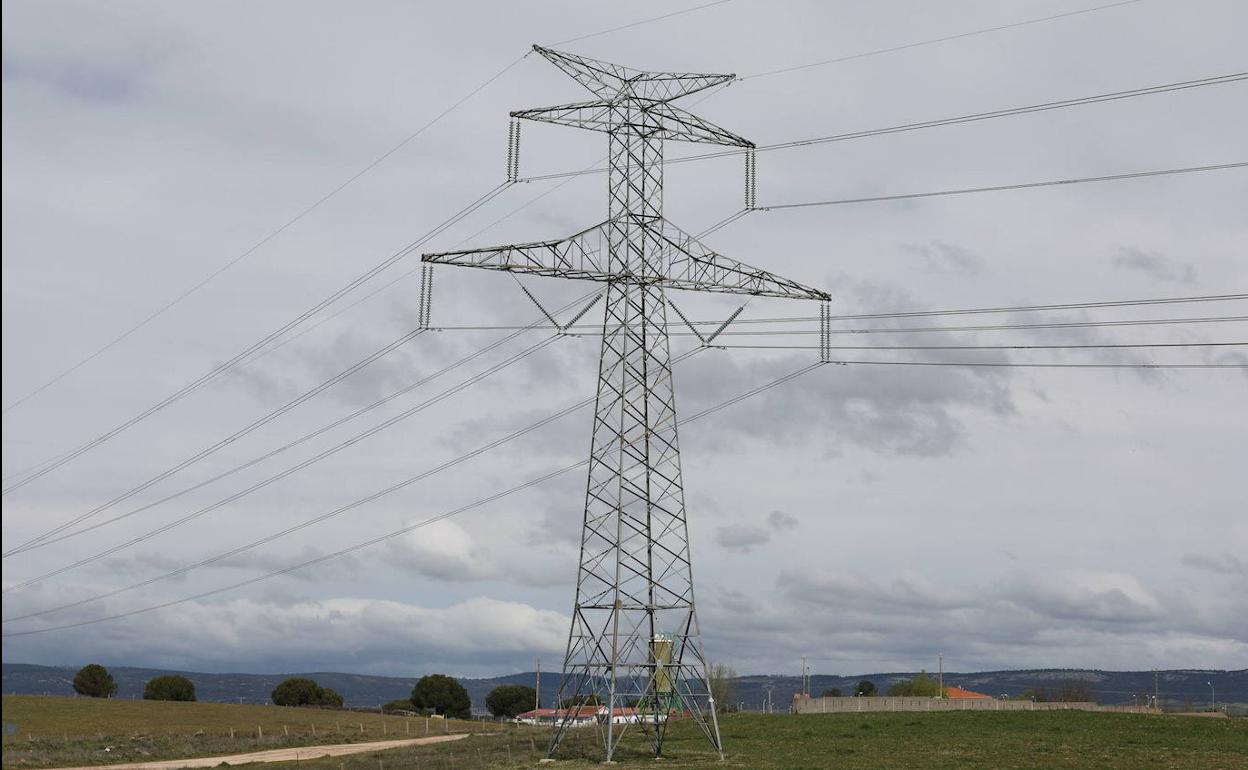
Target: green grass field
point(52, 731)
point(1059, 740)
point(947, 741)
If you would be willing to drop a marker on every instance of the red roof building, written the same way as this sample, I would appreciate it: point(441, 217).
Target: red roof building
point(957, 692)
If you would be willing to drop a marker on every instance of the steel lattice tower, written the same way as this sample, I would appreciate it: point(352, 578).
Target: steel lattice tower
point(634, 635)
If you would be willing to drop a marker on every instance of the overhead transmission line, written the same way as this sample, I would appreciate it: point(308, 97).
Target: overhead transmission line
point(925, 313)
point(934, 41)
point(650, 20)
point(1014, 365)
point(48, 466)
point(409, 528)
point(1107, 346)
point(47, 539)
point(270, 236)
point(324, 199)
point(974, 117)
point(236, 435)
point(289, 471)
point(458, 460)
point(486, 500)
point(1006, 187)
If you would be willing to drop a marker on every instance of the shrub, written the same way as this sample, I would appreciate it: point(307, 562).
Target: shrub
point(398, 706)
point(169, 687)
point(93, 680)
point(298, 691)
point(443, 695)
point(510, 700)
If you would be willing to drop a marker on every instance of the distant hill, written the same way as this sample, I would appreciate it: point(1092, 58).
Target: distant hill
point(359, 690)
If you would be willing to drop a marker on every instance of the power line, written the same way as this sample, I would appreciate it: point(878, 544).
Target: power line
point(1039, 366)
point(295, 442)
point(958, 311)
point(933, 41)
point(325, 198)
point(213, 448)
point(402, 530)
point(48, 466)
point(935, 123)
point(287, 472)
point(275, 233)
point(990, 347)
point(570, 409)
point(591, 331)
point(652, 19)
point(1006, 187)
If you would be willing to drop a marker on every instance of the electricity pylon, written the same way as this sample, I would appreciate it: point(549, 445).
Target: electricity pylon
point(634, 638)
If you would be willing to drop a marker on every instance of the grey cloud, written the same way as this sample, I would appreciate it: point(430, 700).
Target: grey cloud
point(941, 257)
point(741, 536)
point(780, 521)
point(1155, 265)
point(1221, 564)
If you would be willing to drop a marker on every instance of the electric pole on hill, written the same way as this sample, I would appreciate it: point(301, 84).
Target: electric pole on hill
point(634, 639)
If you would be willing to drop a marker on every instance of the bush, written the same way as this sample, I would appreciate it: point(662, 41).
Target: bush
point(832, 692)
point(297, 691)
point(169, 687)
point(510, 700)
point(865, 688)
point(398, 706)
point(922, 686)
point(443, 695)
point(94, 681)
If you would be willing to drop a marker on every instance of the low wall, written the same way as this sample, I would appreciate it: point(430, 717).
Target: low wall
point(803, 705)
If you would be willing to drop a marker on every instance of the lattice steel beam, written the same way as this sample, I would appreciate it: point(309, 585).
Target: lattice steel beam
point(634, 636)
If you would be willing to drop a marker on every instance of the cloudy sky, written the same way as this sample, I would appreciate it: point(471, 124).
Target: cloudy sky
point(869, 517)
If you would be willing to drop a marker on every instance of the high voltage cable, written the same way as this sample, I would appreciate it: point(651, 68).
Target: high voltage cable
point(288, 471)
point(47, 539)
point(650, 20)
point(484, 501)
point(216, 371)
point(570, 409)
point(958, 311)
point(936, 123)
point(256, 246)
point(1007, 187)
point(325, 198)
point(213, 448)
point(1039, 366)
point(591, 331)
point(406, 529)
point(933, 41)
point(990, 347)
point(296, 442)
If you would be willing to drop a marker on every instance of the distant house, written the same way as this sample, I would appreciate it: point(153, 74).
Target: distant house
point(953, 691)
point(583, 715)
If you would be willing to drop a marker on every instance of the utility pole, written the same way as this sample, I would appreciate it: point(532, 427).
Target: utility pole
point(537, 699)
point(634, 631)
point(805, 680)
point(1157, 690)
point(941, 684)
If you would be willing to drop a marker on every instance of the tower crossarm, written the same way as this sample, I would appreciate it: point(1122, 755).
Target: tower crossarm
point(681, 262)
point(608, 80)
point(661, 121)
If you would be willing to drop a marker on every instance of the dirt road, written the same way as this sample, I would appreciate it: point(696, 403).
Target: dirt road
point(276, 755)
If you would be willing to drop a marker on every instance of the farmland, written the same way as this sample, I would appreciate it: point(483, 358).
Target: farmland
point(50, 731)
point(65, 731)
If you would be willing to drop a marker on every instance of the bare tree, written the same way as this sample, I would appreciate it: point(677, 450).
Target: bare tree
point(722, 681)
